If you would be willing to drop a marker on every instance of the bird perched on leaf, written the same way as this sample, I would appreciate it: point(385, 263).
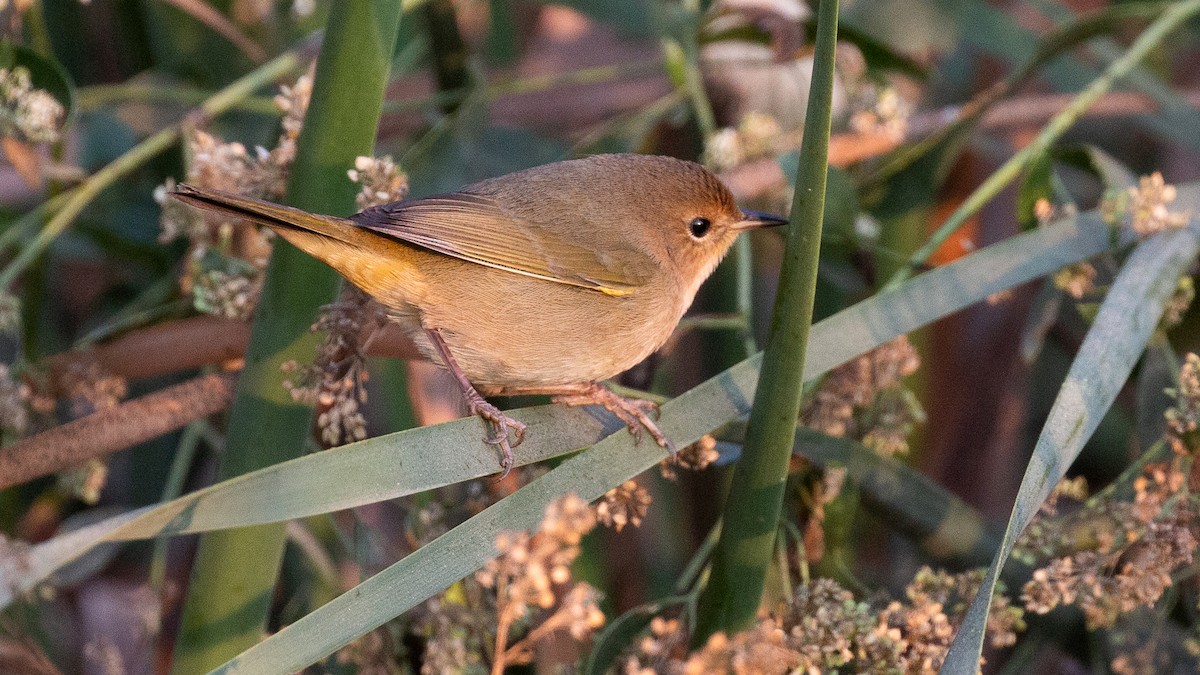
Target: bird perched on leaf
point(544, 281)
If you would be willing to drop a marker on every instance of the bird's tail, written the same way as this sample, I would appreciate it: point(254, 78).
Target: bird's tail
point(282, 219)
point(383, 267)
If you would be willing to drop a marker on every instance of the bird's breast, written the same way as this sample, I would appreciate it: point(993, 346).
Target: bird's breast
point(510, 330)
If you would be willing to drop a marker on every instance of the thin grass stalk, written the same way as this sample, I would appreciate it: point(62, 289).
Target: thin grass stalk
point(1148, 40)
point(83, 194)
point(235, 571)
point(730, 601)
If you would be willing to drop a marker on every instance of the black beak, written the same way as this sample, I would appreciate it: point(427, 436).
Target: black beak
point(756, 219)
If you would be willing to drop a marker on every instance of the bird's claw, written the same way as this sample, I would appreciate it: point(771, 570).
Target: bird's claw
point(635, 413)
point(500, 427)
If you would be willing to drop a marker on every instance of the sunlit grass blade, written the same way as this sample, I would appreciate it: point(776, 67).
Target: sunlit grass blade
point(1148, 40)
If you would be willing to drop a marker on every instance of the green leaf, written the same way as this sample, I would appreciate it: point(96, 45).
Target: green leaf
point(1111, 172)
point(1170, 19)
point(1112, 347)
point(932, 156)
point(229, 596)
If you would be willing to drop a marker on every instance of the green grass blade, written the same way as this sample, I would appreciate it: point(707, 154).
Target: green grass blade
point(746, 549)
point(235, 571)
point(360, 473)
point(1112, 347)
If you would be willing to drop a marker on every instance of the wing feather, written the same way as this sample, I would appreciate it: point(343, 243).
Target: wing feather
point(474, 228)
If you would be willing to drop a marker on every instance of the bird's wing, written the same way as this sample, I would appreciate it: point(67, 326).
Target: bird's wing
point(474, 228)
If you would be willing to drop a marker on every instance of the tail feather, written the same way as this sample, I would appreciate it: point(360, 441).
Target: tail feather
point(275, 216)
point(383, 267)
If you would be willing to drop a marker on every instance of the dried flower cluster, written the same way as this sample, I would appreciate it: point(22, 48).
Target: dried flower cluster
point(824, 628)
point(456, 636)
point(623, 505)
point(757, 135)
point(1115, 555)
point(1076, 279)
point(695, 457)
point(1179, 302)
point(1107, 585)
point(532, 572)
point(29, 114)
point(881, 109)
point(336, 380)
point(224, 286)
point(1111, 557)
point(501, 615)
point(227, 259)
point(381, 181)
point(825, 487)
point(90, 389)
point(864, 399)
point(1183, 418)
point(1146, 206)
point(529, 565)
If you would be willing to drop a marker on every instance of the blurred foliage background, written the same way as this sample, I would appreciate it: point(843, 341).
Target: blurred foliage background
point(126, 319)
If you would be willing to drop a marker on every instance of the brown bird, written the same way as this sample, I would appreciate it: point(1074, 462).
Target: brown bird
point(543, 281)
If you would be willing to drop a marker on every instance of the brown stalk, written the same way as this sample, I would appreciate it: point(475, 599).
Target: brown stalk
point(108, 431)
point(187, 344)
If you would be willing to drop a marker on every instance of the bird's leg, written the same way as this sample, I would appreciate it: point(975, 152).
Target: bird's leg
point(635, 413)
point(500, 425)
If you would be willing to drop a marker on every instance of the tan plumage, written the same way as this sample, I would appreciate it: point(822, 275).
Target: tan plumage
point(544, 279)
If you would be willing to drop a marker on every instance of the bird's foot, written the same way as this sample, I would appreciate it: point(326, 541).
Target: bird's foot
point(500, 427)
point(634, 412)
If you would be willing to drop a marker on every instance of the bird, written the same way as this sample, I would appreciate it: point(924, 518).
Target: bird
point(549, 280)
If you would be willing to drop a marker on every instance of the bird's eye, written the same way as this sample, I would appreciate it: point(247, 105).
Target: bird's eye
point(699, 227)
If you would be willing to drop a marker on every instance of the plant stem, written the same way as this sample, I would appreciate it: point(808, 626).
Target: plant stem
point(730, 601)
point(235, 571)
point(1149, 39)
point(99, 95)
